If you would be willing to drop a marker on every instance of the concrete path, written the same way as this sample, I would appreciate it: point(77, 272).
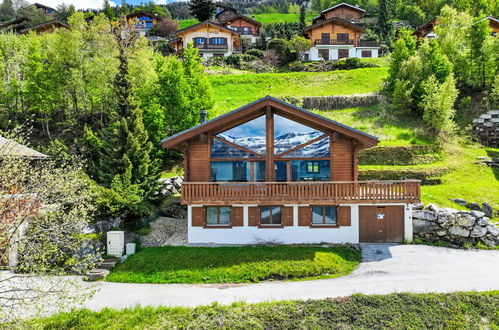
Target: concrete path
point(385, 269)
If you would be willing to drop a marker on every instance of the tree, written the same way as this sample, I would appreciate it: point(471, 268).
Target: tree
point(317, 6)
point(384, 26)
point(7, 11)
point(414, 15)
point(167, 27)
point(202, 10)
point(64, 12)
point(404, 48)
point(299, 45)
point(108, 11)
point(281, 47)
point(303, 17)
point(483, 55)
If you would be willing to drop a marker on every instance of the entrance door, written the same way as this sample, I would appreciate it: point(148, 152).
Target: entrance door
point(381, 224)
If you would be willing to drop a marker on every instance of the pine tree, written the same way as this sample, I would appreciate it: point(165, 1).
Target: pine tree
point(302, 17)
point(7, 11)
point(384, 25)
point(202, 10)
point(108, 11)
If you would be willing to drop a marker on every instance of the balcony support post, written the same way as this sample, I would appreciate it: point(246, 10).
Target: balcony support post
point(270, 172)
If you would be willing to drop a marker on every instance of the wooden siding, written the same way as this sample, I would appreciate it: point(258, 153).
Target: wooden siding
point(199, 162)
point(390, 229)
point(345, 13)
point(333, 30)
point(241, 23)
point(304, 216)
point(342, 162)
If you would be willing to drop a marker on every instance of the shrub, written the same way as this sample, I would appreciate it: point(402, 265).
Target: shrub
point(255, 52)
point(399, 155)
point(281, 47)
point(340, 101)
point(427, 175)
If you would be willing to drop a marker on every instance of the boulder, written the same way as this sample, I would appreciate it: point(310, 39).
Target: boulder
point(421, 226)
point(449, 210)
point(103, 226)
point(477, 214)
point(460, 201)
point(424, 215)
point(89, 229)
point(474, 206)
point(492, 229)
point(465, 220)
point(487, 209)
point(441, 233)
point(488, 242)
point(458, 231)
point(417, 206)
point(478, 231)
point(483, 221)
point(433, 207)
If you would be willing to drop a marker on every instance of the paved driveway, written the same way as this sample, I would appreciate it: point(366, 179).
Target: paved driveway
point(385, 269)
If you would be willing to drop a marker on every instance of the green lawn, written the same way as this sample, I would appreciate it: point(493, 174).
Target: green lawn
point(281, 18)
point(393, 311)
point(186, 23)
point(233, 91)
point(234, 264)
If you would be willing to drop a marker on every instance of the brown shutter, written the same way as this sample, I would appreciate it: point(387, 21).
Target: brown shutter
point(198, 216)
point(304, 216)
point(287, 216)
point(344, 215)
point(236, 216)
point(254, 216)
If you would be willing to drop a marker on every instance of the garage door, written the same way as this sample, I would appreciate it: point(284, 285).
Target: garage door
point(381, 224)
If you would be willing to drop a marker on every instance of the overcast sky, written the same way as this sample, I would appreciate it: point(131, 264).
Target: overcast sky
point(84, 4)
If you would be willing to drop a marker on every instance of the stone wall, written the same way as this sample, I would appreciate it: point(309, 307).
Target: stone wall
point(486, 128)
point(432, 224)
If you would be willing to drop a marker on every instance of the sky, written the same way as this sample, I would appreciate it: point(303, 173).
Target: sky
point(84, 4)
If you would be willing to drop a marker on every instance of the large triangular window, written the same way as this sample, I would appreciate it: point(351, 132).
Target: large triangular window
point(250, 135)
point(289, 134)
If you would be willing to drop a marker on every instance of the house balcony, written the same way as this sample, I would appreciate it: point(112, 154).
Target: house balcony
point(339, 42)
point(212, 47)
point(367, 43)
point(278, 193)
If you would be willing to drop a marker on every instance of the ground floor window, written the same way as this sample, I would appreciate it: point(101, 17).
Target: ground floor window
point(324, 54)
point(324, 215)
point(367, 53)
point(217, 216)
point(343, 53)
point(270, 215)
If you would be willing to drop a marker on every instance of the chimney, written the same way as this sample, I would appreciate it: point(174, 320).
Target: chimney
point(202, 115)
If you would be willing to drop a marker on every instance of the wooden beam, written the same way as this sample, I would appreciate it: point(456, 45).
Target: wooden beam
point(238, 147)
point(302, 145)
point(269, 125)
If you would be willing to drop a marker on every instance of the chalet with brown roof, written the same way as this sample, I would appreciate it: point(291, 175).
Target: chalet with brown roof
point(247, 27)
point(337, 33)
point(427, 30)
point(210, 38)
point(45, 27)
point(273, 171)
point(48, 11)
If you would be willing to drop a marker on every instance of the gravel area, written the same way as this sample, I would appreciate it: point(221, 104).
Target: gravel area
point(166, 231)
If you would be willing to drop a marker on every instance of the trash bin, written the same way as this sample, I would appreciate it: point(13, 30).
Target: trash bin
point(130, 248)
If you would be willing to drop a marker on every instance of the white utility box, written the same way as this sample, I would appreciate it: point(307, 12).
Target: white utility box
point(130, 248)
point(115, 243)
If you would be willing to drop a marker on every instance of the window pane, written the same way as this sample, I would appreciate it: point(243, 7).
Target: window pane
point(289, 134)
point(211, 215)
point(225, 215)
point(330, 217)
point(305, 170)
point(276, 215)
point(265, 215)
point(319, 149)
point(222, 150)
point(317, 215)
point(259, 169)
point(250, 135)
point(280, 171)
point(230, 171)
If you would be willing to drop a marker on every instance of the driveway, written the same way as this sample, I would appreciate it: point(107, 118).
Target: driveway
point(385, 269)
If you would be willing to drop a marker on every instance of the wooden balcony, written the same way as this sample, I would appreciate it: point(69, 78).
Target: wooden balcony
point(211, 47)
point(334, 42)
point(278, 193)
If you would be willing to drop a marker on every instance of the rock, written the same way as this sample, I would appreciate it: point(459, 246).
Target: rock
point(460, 201)
point(103, 226)
point(96, 274)
point(477, 214)
point(115, 222)
point(492, 229)
point(474, 206)
point(425, 215)
point(478, 231)
point(487, 209)
point(441, 233)
point(465, 220)
point(458, 231)
point(488, 242)
point(449, 210)
point(482, 157)
point(421, 226)
point(483, 221)
point(417, 206)
point(89, 229)
point(177, 183)
point(433, 207)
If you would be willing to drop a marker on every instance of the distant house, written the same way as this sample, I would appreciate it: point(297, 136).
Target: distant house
point(210, 38)
point(224, 12)
point(247, 27)
point(336, 33)
point(145, 21)
point(49, 11)
point(427, 30)
point(10, 148)
point(493, 25)
point(13, 25)
point(45, 27)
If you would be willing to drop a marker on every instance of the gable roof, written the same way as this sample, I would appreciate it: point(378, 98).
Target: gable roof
point(54, 22)
point(253, 110)
point(428, 24)
point(203, 23)
point(10, 148)
point(338, 20)
point(341, 5)
point(492, 19)
point(244, 17)
point(39, 5)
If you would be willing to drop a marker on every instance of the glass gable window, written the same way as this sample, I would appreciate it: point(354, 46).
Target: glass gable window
point(281, 171)
point(319, 149)
point(259, 171)
point(250, 135)
point(324, 215)
point(236, 171)
point(289, 134)
point(310, 170)
point(222, 150)
point(217, 216)
point(270, 215)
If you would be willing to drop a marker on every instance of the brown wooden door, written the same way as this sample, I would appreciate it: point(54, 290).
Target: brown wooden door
point(381, 224)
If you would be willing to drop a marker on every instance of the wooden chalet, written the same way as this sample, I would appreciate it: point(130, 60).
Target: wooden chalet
point(273, 170)
point(45, 27)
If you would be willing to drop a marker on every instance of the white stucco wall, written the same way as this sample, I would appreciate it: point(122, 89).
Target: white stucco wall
point(287, 235)
point(333, 52)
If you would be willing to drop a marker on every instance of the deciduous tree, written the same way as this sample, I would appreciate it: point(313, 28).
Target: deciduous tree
point(202, 10)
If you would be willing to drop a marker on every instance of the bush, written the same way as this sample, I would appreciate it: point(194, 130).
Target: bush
point(255, 52)
point(399, 155)
point(324, 66)
point(281, 47)
point(427, 175)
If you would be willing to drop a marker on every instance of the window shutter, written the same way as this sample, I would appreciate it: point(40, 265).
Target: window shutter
point(287, 216)
point(198, 217)
point(254, 216)
point(236, 216)
point(304, 216)
point(225, 41)
point(344, 216)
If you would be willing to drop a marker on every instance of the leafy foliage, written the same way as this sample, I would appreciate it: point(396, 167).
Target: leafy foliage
point(202, 10)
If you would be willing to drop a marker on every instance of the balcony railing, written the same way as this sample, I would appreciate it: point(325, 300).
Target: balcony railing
point(208, 46)
point(334, 42)
point(365, 43)
point(406, 191)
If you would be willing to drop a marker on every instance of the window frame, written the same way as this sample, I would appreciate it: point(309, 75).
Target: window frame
point(218, 224)
point(271, 224)
point(344, 36)
point(343, 50)
point(323, 224)
point(314, 163)
point(366, 51)
point(322, 50)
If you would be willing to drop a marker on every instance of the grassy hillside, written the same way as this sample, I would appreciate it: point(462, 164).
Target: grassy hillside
point(262, 18)
point(233, 91)
point(186, 23)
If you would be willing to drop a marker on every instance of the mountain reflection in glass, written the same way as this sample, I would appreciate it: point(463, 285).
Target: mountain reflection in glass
point(250, 135)
point(289, 134)
point(319, 149)
point(223, 150)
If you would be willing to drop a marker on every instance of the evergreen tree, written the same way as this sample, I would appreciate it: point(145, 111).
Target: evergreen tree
point(7, 11)
point(384, 16)
point(303, 17)
point(404, 48)
point(202, 10)
point(108, 11)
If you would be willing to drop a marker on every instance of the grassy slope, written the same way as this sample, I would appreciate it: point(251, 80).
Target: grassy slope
point(186, 23)
point(233, 91)
point(394, 311)
point(234, 264)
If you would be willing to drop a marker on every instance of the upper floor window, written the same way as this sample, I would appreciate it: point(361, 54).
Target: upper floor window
point(343, 36)
point(250, 135)
point(199, 41)
point(218, 41)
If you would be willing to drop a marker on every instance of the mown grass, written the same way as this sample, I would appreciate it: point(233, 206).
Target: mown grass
point(186, 23)
point(281, 18)
point(233, 91)
point(394, 311)
point(234, 264)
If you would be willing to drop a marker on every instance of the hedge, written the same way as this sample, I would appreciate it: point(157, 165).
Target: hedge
point(428, 175)
point(334, 102)
point(400, 155)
